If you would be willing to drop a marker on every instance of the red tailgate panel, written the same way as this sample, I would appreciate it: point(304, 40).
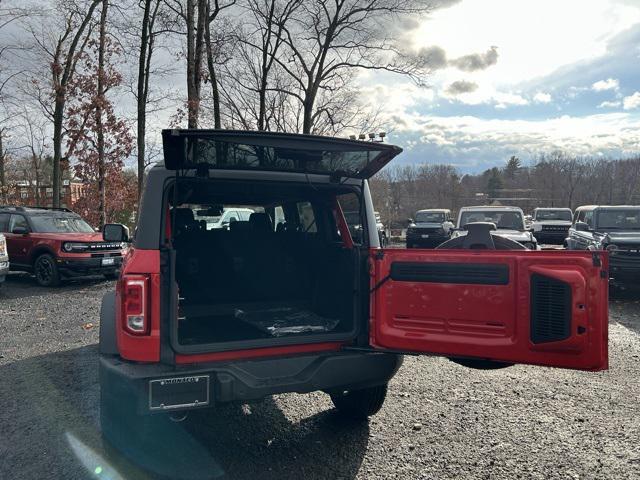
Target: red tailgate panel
point(479, 304)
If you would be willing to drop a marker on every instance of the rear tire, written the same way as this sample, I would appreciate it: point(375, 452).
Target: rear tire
point(46, 271)
point(360, 404)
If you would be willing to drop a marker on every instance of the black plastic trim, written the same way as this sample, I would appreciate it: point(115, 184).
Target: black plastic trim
point(107, 343)
point(551, 301)
point(445, 272)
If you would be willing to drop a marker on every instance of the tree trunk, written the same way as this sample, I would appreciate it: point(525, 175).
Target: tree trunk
point(143, 80)
point(196, 21)
point(102, 207)
point(57, 146)
point(213, 78)
point(3, 179)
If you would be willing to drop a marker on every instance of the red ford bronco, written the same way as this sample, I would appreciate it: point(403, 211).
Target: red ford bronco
point(288, 301)
point(56, 243)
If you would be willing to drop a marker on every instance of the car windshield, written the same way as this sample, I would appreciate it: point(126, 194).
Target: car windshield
point(430, 217)
point(507, 220)
point(553, 215)
point(627, 219)
point(60, 224)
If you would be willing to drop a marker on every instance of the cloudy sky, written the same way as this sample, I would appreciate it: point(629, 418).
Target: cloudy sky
point(518, 77)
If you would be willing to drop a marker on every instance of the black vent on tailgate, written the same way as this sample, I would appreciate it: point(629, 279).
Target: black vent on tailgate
point(550, 309)
point(436, 272)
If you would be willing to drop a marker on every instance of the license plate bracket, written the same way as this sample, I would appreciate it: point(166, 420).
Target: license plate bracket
point(179, 392)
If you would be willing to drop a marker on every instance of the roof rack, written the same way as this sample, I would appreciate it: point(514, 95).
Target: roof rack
point(12, 207)
point(28, 207)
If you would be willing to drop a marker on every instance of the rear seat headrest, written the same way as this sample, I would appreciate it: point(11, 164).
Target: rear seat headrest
point(260, 222)
point(184, 218)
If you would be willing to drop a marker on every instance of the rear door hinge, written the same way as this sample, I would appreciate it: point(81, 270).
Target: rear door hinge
point(379, 255)
point(597, 262)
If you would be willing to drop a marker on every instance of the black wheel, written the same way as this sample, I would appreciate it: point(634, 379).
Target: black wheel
point(360, 404)
point(46, 271)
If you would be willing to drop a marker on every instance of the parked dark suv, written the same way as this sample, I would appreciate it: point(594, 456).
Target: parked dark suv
point(54, 244)
point(615, 229)
point(429, 228)
point(289, 301)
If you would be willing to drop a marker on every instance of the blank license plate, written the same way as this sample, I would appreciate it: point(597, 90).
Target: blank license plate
point(425, 236)
point(179, 392)
point(108, 261)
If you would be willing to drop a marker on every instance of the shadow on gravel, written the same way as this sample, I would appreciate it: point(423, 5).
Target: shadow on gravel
point(23, 285)
point(49, 424)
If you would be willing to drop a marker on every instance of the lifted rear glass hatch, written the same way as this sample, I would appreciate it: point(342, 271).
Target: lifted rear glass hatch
point(286, 152)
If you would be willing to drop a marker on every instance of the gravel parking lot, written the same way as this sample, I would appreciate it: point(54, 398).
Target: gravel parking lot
point(440, 421)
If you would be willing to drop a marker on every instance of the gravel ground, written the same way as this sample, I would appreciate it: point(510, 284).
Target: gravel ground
point(440, 420)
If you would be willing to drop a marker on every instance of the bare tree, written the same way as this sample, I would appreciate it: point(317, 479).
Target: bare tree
point(328, 40)
point(148, 34)
point(9, 75)
point(61, 49)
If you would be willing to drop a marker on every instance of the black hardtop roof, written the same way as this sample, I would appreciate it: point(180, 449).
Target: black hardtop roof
point(275, 151)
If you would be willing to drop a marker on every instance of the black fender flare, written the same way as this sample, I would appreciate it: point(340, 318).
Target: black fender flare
point(39, 250)
point(107, 343)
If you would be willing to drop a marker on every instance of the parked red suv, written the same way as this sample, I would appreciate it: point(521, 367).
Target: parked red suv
point(290, 301)
point(55, 244)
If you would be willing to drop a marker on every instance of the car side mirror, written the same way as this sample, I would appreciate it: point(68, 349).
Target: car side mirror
point(20, 230)
point(115, 232)
point(582, 227)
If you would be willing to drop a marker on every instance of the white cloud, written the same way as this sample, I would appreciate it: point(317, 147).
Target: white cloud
point(463, 137)
point(503, 100)
point(608, 84)
point(542, 97)
point(608, 104)
point(632, 101)
point(524, 52)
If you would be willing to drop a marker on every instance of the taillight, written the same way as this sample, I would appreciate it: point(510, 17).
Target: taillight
point(135, 312)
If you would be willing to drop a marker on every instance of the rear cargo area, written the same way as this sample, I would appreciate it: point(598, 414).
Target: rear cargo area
point(282, 273)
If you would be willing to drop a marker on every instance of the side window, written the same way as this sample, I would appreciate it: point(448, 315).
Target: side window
point(4, 222)
point(244, 215)
point(578, 216)
point(278, 217)
point(307, 217)
point(18, 221)
point(350, 205)
point(588, 218)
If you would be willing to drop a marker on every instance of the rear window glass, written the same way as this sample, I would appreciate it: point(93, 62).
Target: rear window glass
point(307, 217)
point(506, 220)
point(280, 152)
point(430, 217)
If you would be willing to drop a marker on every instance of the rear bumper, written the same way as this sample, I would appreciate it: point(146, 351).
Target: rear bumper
point(250, 380)
point(87, 266)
